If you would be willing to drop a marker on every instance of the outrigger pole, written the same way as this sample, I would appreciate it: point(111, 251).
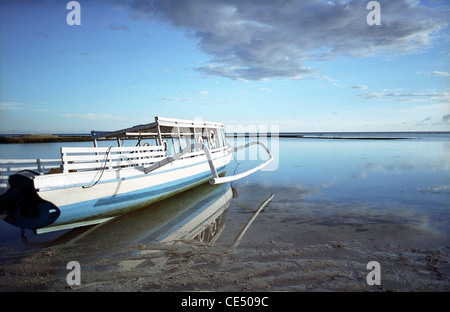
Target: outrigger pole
point(218, 180)
point(215, 179)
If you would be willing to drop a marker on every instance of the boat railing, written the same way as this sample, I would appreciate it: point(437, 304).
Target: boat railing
point(9, 167)
point(97, 158)
point(196, 150)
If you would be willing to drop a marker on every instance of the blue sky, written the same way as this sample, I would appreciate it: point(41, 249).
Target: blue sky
point(297, 65)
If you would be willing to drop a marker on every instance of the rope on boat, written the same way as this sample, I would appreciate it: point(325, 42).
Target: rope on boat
point(103, 169)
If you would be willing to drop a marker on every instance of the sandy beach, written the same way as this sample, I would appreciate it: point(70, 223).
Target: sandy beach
point(310, 252)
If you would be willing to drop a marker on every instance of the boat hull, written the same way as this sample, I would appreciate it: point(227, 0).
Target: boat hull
point(85, 198)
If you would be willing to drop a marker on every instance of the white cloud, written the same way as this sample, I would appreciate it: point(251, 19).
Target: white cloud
point(440, 73)
point(371, 95)
point(93, 116)
point(10, 106)
point(261, 39)
point(436, 97)
point(328, 78)
point(362, 87)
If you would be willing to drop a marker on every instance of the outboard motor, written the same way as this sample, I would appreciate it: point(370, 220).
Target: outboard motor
point(23, 206)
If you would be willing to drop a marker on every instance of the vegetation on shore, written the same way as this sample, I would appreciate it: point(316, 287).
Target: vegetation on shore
point(43, 138)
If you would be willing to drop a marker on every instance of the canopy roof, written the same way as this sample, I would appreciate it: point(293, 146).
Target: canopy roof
point(165, 125)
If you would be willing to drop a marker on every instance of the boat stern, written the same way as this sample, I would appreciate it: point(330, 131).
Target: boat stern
point(21, 206)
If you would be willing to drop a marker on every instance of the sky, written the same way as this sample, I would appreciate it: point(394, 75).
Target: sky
point(285, 65)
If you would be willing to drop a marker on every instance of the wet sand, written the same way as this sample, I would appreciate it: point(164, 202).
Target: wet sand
point(292, 245)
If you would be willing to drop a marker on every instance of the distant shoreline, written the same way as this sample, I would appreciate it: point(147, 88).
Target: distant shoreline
point(42, 138)
point(52, 138)
point(315, 137)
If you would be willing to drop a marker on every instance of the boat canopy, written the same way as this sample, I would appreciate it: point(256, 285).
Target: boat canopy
point(163, 129)
point(161, 125)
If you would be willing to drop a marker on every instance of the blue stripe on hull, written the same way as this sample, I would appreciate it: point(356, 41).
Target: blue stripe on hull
point(118, 204)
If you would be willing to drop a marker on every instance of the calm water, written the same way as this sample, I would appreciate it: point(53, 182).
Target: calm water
point(405, 178)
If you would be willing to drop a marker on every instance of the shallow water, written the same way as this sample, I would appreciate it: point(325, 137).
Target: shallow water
point(410, 175)
point(379, 193)
point(406, 177)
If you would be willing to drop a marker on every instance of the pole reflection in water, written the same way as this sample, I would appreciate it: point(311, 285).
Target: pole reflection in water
point(250, 221)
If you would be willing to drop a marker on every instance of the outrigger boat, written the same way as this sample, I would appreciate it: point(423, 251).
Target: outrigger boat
point(90, 185)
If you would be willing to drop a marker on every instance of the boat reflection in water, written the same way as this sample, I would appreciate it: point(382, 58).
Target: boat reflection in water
point(197, 214)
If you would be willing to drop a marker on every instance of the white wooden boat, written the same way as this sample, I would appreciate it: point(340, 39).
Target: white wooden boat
point(90, 185)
